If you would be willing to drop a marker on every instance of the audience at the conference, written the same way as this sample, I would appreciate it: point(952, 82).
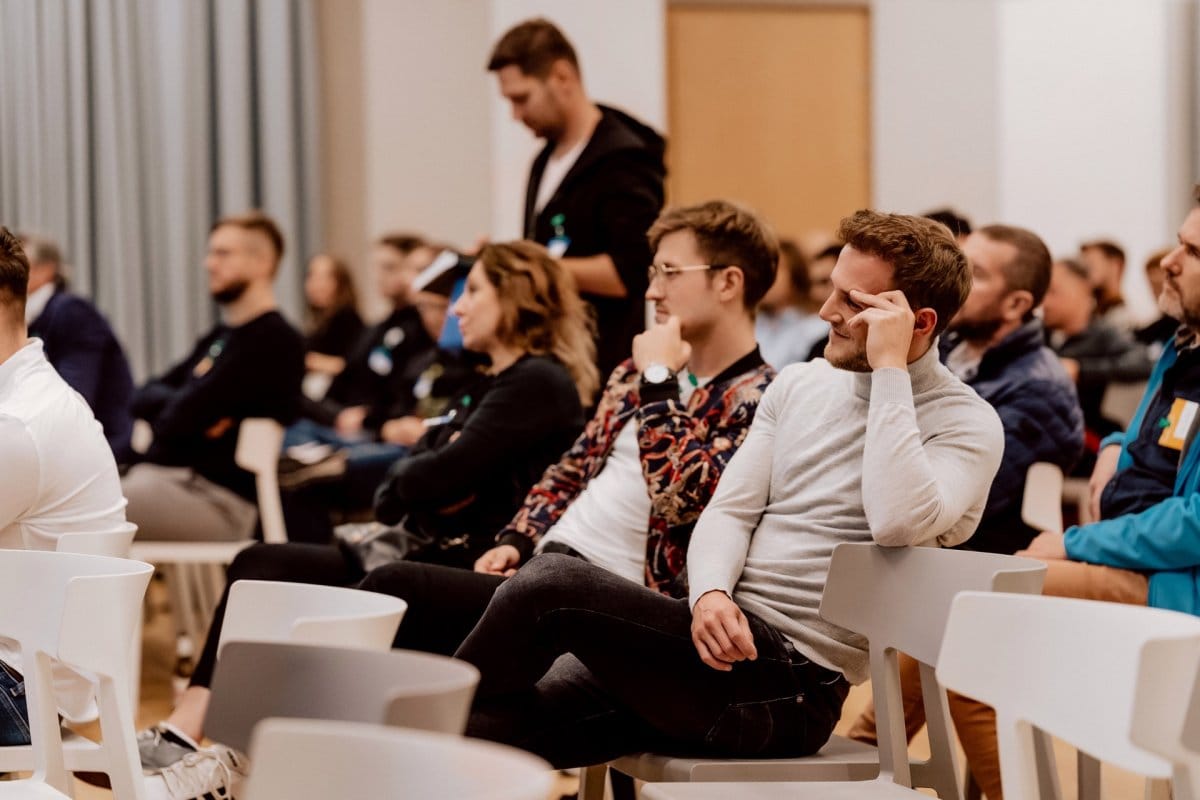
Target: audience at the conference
point(1093, 352)
point(996, 345)
point(788, 326)
point(1145, 549)
point(332, 325)
point(188, 486)
point(79, 343)
point(465, 478)
point(57, 475)
point(373, 373)
point(594, 188)
point(623, 582)
point(879, 442)
point(627, 493)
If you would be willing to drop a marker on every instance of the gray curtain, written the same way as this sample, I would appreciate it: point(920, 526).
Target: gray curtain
point(128, 126)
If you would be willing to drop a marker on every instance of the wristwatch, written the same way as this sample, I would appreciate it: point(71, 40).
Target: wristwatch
point(658, 374)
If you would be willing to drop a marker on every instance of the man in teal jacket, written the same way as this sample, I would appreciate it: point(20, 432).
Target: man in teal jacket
point(1146, 485)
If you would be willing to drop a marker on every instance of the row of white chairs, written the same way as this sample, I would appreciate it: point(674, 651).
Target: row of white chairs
point(286, 651)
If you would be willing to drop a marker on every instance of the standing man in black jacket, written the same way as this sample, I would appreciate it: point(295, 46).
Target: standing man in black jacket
point(596, 186)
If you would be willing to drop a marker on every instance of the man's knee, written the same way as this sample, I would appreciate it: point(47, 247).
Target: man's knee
point(545, 579)
point(259, 562)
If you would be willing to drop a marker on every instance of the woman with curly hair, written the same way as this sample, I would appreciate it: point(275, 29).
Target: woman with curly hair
point(470, 471)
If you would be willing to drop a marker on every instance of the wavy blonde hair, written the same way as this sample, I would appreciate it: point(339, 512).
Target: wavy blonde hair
point(541, 311)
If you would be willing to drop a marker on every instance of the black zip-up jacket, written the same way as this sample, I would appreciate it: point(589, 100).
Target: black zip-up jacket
point(604, 205)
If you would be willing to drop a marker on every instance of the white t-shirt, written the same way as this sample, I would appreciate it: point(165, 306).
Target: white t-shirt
point(552, 176)
point(608, 521)
point(57, 475)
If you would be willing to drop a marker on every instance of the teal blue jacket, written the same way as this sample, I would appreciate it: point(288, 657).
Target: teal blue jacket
point(1163, 540)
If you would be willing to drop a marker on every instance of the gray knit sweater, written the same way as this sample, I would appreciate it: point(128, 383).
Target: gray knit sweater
point(898, 457)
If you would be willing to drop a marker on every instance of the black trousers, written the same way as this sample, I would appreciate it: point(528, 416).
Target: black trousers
point(581, 666)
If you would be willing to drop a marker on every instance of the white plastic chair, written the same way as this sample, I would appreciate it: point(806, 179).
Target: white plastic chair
point(899, 598)
point(80, 610)
point(311, 760)
point(197, 577)
point(1101, 676)
point(389, 687)
point(304, 613)
point(1041, 506)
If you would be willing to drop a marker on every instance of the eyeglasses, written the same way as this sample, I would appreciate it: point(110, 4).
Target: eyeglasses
point(656, 271)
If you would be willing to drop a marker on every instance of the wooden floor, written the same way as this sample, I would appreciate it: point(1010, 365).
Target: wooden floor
point(158, 659)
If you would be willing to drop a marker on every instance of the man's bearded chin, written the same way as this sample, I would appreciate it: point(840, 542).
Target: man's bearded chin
point(976, 330)
point(231, 292)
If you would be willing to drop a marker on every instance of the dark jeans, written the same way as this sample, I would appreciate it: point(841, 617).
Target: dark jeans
point(14, 715)
point(444, 603)
point(581, 666)
point(321, 564)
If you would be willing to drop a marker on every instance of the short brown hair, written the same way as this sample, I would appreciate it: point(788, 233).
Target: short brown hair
point(533, 47)
point(1110, 249)
point(927, 264)
point(1029, 270)
point(14, 273)
point(403, 243)
point(727, 234)
point(41, 250)
point(257, 222)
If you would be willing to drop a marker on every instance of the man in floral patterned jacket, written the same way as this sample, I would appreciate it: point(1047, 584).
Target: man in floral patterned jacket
point(626, 495)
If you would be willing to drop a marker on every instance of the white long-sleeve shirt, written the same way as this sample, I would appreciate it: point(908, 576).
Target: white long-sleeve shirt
point(898, 457)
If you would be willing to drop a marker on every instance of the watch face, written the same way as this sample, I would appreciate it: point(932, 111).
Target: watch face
point(657, 373)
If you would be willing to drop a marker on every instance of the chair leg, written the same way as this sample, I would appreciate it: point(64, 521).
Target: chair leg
point(591, 782)
point(623, 787)
point(971, 790)
point(1047, 769)
point(1158, 789)
point(1089, 776)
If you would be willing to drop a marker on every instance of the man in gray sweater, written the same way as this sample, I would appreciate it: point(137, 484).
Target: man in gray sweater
point(879, 442)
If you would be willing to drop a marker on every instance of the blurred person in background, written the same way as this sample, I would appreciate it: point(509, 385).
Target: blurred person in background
point(332, 325)
point(787, 325)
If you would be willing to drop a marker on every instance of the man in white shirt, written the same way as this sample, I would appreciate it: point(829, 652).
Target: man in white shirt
point(879, 442)
point(57, 473)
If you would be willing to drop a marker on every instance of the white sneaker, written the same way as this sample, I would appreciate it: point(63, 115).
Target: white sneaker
point(211, 773)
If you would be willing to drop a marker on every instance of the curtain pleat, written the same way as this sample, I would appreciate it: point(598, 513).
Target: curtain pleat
point(128, 126)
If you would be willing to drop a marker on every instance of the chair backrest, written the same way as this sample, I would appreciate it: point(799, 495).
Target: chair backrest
point(114, 543)
point(1161, 723)
point(259, 442)
point(1041, 506)
point(1121, 400)
point(307, 760)
point(899, 597)
point(80, 609)
point(1076, 669)
point(391, 687)
point(274, 611)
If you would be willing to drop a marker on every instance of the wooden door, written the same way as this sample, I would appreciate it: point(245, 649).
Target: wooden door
point(770, 105)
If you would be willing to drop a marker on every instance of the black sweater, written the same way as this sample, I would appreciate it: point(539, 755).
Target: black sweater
point(503, 433)
point(253, 370)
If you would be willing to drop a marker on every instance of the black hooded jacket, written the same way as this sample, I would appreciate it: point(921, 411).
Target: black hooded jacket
point(604, 205)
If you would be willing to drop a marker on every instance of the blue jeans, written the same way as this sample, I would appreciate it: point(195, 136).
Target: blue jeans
point(14, 715)
point(303, 431)
point(580, 666)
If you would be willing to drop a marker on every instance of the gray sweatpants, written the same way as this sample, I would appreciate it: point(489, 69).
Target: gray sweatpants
point(177, 504)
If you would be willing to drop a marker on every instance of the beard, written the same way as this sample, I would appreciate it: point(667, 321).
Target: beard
point(230, 292)
point(976, 330)
point(851, 362)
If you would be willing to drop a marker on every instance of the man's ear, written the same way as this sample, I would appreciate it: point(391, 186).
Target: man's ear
point(1017, 304)
point(731, 284)
point(924, 321)
point(561, 72)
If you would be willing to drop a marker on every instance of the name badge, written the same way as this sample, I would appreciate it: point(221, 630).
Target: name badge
point(1179, 423)
point(380, 361)
point(558, 246)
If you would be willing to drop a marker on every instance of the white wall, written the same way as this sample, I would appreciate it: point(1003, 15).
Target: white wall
point(621, 46)
point(428, 164)
point(1085, 133)
point(934, 113)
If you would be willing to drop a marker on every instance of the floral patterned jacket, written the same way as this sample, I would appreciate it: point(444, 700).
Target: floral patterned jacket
point(684, 450)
